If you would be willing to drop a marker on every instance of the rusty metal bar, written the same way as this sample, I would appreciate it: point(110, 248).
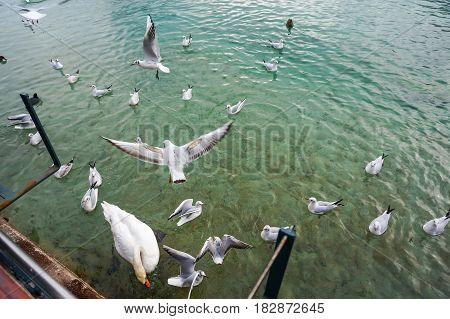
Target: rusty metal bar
point(9, 196)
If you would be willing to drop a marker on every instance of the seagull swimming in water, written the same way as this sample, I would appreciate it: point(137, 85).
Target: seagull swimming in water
point(187, 41)
point(94, 176)
point(73, 78)
point(175, 157)
point(152, 59)
point(56, 64)
point(89, 200)
point(271, 66)
point(134, 98)
point(319, 207)
point(277, 44)
point(375, 166)
point(436, 226)
point(188, 275)
point(100, 92)
point(187, 93)
point(22, 121)
point(235, 109)
point(64, 169)
point(218, 248)
point(380, 224)
point(187, 211)
point(35, 139)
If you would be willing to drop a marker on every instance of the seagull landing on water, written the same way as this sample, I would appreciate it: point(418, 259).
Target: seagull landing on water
point(73, 78)
point(152, 59)
point(134, 97)
point(175, 157)
point(187, 41)
point(188, 211)
point(375, 166)
point(271, 66)
point(319, 207)
point(218, 248)
point(35, 139)
point(187, 93)
point(277, 44)
point(56, 64)
point(235, 109)
point(188, 275)
point(100, 92)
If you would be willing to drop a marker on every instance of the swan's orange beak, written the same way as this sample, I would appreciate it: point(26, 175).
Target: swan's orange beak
point(147, 283)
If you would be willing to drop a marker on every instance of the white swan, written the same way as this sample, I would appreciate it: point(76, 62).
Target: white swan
point(375, 166)
point(436, 226)
point(134, 240)
point(89, 200)
point(134, 97)
point(380, 224)
point(94, 176)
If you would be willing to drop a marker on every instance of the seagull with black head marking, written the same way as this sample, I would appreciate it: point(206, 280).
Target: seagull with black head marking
point(152, 58)
point(218, 248)
point(175, 157)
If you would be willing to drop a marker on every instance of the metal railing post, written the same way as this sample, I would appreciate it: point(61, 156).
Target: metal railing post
point(278, 268)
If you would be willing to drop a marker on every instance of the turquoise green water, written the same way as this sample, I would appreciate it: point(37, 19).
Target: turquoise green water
point(356, 78)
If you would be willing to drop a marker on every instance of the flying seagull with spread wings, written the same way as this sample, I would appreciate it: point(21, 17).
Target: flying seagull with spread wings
point(175, 157)
point(152, 58)
point(218, 248)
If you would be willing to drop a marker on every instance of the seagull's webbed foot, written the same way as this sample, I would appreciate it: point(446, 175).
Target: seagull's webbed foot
point(157, 74)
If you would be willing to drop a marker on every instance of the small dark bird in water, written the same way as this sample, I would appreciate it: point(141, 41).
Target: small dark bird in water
point(3, 59)
point(289, 24)
point(35, 99)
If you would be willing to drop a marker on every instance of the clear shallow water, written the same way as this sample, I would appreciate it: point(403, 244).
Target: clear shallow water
point(356, 78)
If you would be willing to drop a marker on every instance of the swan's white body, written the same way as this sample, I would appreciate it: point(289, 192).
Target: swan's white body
point(374, 167)
point(35, 139)
point(134, 240)
point(436, 226)
point(56, 64)
point(89, 200)
point(379, 225)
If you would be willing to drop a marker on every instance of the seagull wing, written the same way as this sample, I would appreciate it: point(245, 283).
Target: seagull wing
point(184, 206)
point(190, 211)
point(20, 117)
point(203, 144)
point(142, 151)
point(150, 43)
point(187, 262)
point(229, 242)
point(205, 249)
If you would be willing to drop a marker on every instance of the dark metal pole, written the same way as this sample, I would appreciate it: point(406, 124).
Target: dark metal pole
point(40, 129)
point(278, 268)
